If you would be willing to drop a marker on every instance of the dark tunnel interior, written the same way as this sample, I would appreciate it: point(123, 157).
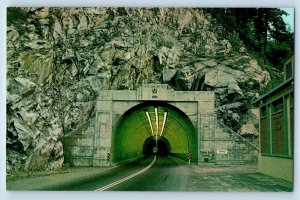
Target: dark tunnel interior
point(162, 148)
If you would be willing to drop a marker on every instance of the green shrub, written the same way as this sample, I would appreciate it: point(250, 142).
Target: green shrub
point(235, 41)
point(16, 16)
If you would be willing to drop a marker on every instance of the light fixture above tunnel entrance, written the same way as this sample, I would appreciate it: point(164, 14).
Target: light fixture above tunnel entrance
point(156, 122)
point(164, 123)
point(150, 123)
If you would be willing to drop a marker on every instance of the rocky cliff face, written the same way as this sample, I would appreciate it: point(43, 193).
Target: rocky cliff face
point(58, 59)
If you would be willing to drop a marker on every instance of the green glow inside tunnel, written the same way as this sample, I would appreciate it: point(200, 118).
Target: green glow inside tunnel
point(132, 135)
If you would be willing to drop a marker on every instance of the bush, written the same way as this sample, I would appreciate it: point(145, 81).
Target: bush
point(235, 41)
point(16, 16)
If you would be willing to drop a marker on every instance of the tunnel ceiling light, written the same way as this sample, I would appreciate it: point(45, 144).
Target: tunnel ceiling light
point(156, 120)
point(150, 124)
point(164, 122)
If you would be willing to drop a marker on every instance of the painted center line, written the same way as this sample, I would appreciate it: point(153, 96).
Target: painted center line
point(128, 177)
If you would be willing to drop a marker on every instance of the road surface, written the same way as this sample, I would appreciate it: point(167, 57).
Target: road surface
point(164, 173)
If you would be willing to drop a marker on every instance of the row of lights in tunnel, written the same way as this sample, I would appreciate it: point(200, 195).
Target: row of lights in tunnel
point(156, 122)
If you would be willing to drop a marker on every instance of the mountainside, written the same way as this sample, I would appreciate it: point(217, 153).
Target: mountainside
point(59, 59)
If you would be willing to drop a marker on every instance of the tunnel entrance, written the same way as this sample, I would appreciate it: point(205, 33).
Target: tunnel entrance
point(159, 146)
point(118, 130)
point(153, 127)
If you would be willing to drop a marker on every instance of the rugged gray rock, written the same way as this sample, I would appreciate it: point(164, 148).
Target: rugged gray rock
point(59, 59)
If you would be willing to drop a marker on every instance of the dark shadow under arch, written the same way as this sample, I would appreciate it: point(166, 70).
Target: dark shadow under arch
point(163, 146)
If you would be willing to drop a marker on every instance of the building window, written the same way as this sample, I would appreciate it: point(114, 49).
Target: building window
point(263, 111)
point(289, 69)
point(277, 123)
point(263, 135)
point(263, 130)
point(277, 105)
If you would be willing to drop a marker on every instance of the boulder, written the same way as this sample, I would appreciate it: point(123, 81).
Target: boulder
point(235, 105)
point(12, 98)
point(57, 160)
point(210, 63)
point(12, 34)
point(234, 88)
point(248, 129)
point(55, 131)
point(25, 134)
point(39, 158)
point(28, 116)
point(39, 65)
point(57, 29)
point(107, 55)
point(25, 83)
point(169, 56)
point(219, 78)
point(48, 154)
point(199, 66)
point(168, 74)
point(83, 24)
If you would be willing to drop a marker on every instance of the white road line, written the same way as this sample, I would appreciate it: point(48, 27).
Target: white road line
point(128, 177)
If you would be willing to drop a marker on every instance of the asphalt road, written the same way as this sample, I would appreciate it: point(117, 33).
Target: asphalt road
point(166, 174)
point(159, 177)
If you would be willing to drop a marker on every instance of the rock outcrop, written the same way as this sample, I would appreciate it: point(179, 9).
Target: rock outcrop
point(59, 59)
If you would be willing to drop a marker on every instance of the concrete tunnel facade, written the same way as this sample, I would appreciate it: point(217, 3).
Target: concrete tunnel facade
point(120, 130)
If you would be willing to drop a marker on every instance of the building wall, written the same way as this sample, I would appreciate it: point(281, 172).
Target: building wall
point(276, 167)
point(277, 133)
point(78, 145)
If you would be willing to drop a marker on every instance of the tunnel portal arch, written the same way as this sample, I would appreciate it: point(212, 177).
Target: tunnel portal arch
point(154, 122)
point(114, 105)
point(93, 143)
